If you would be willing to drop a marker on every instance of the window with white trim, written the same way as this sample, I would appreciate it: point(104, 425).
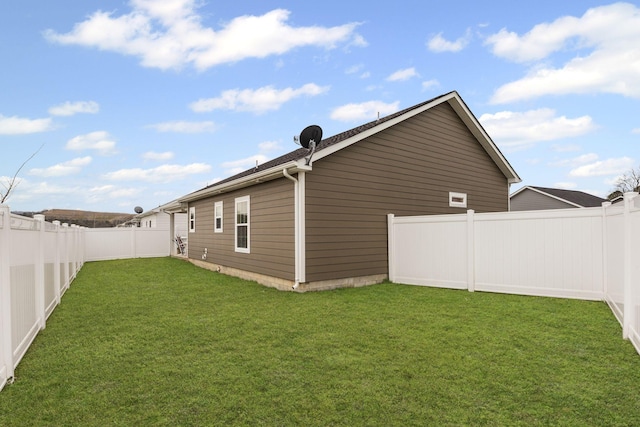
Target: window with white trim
point(192, 219)
point(242, 233)
point(457, 200)
point(217, 217)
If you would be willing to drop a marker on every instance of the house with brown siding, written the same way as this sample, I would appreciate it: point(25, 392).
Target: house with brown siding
point(322, 225)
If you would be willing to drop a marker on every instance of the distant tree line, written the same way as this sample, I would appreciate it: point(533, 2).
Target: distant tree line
point(629, 181)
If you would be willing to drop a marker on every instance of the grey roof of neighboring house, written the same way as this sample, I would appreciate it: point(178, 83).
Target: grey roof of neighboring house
point(580, 198)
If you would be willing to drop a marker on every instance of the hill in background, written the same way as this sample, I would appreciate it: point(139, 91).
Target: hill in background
point(87, 219)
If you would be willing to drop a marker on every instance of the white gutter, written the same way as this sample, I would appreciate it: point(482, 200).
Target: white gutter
point(297, 227)
point(244, 181)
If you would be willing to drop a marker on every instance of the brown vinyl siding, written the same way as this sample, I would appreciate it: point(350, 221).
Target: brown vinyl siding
point(529, 200)
point(408, 169)
point(271, 235)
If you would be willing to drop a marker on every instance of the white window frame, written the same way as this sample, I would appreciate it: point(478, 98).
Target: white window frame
point(218, 214)
point(457, 200)
point(238, 201)
point(192, 219)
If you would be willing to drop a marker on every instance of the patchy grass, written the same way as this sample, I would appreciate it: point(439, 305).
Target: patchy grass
point(161, 342)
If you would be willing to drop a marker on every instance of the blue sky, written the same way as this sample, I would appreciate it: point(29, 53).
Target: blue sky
point(136, 103)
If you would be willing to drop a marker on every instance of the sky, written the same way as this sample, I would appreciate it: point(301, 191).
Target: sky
point(136, 103)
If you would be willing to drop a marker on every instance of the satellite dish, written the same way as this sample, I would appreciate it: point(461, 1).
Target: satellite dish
point(138, 210)
point(309, 138)
point(310, 133)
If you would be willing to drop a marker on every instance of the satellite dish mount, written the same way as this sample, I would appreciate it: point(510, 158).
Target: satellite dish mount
point(309, 138)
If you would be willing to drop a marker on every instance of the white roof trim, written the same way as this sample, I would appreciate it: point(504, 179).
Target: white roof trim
point(545, 194)
point(454, 99)
point(245, 181)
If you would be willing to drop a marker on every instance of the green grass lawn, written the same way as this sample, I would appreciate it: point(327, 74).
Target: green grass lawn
point(162, 342)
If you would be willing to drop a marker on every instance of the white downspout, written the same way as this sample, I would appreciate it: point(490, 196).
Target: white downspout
point(296, 216)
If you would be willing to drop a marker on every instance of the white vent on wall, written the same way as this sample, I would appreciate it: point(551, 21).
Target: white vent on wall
point(457, 200)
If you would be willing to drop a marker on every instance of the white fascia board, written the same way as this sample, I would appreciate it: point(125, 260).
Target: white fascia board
point(246, 181)
point(379, 128)
point(463, 112)
point(550, 195)
point(519, 190)
point(173, 206)
point(483, 137)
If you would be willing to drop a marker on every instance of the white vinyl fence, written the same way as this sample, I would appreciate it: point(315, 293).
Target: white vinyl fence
point(127, 242)
point(570, 253)
point(38, 262)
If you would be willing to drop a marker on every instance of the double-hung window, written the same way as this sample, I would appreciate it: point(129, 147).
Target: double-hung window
point(217, 217)
point(242, 233)
point(192, 219)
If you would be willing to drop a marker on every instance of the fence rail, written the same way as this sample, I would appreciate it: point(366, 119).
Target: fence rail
point(573, 253)
point(38, 262)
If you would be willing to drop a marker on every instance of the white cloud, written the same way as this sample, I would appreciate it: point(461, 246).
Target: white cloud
point(19, 126)
point(184, 127)
point(152, 155)
point(358, 69)
point(267, 146)
point(439, 44)
point(354, 69)
point(515, 129)
point(613, 166)
point(576, 161)
point(100, 193)
point(566, 185)
point(256, 101)
point(71, 108)
point(236, 166)
point(160, 174)
point(565, 148)
point(402, 75)
point(636, 130)
point(364, 111)
point(428, 84)
point(100, 141)
point(62, 169)
point(46, 189)
point(171, 34)
point(610, 34)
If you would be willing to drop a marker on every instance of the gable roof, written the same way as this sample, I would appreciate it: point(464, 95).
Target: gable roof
point(294, 161)
point(578, 199)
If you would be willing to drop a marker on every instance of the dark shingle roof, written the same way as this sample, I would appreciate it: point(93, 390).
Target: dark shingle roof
point(327, 142)
point(578, 197)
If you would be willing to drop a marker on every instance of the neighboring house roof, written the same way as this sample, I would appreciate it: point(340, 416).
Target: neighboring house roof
point(578, 199)
point(295, 160)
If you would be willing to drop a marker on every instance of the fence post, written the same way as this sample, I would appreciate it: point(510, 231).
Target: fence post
point(56, 264)
point(605, 252)
point(83, 246)
point(39, 272)
point(628, 311)
point(471, 254)
point(65, 258)
point(74, 249)
point(5, 293)
point(390, 248)
point(133, 241)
